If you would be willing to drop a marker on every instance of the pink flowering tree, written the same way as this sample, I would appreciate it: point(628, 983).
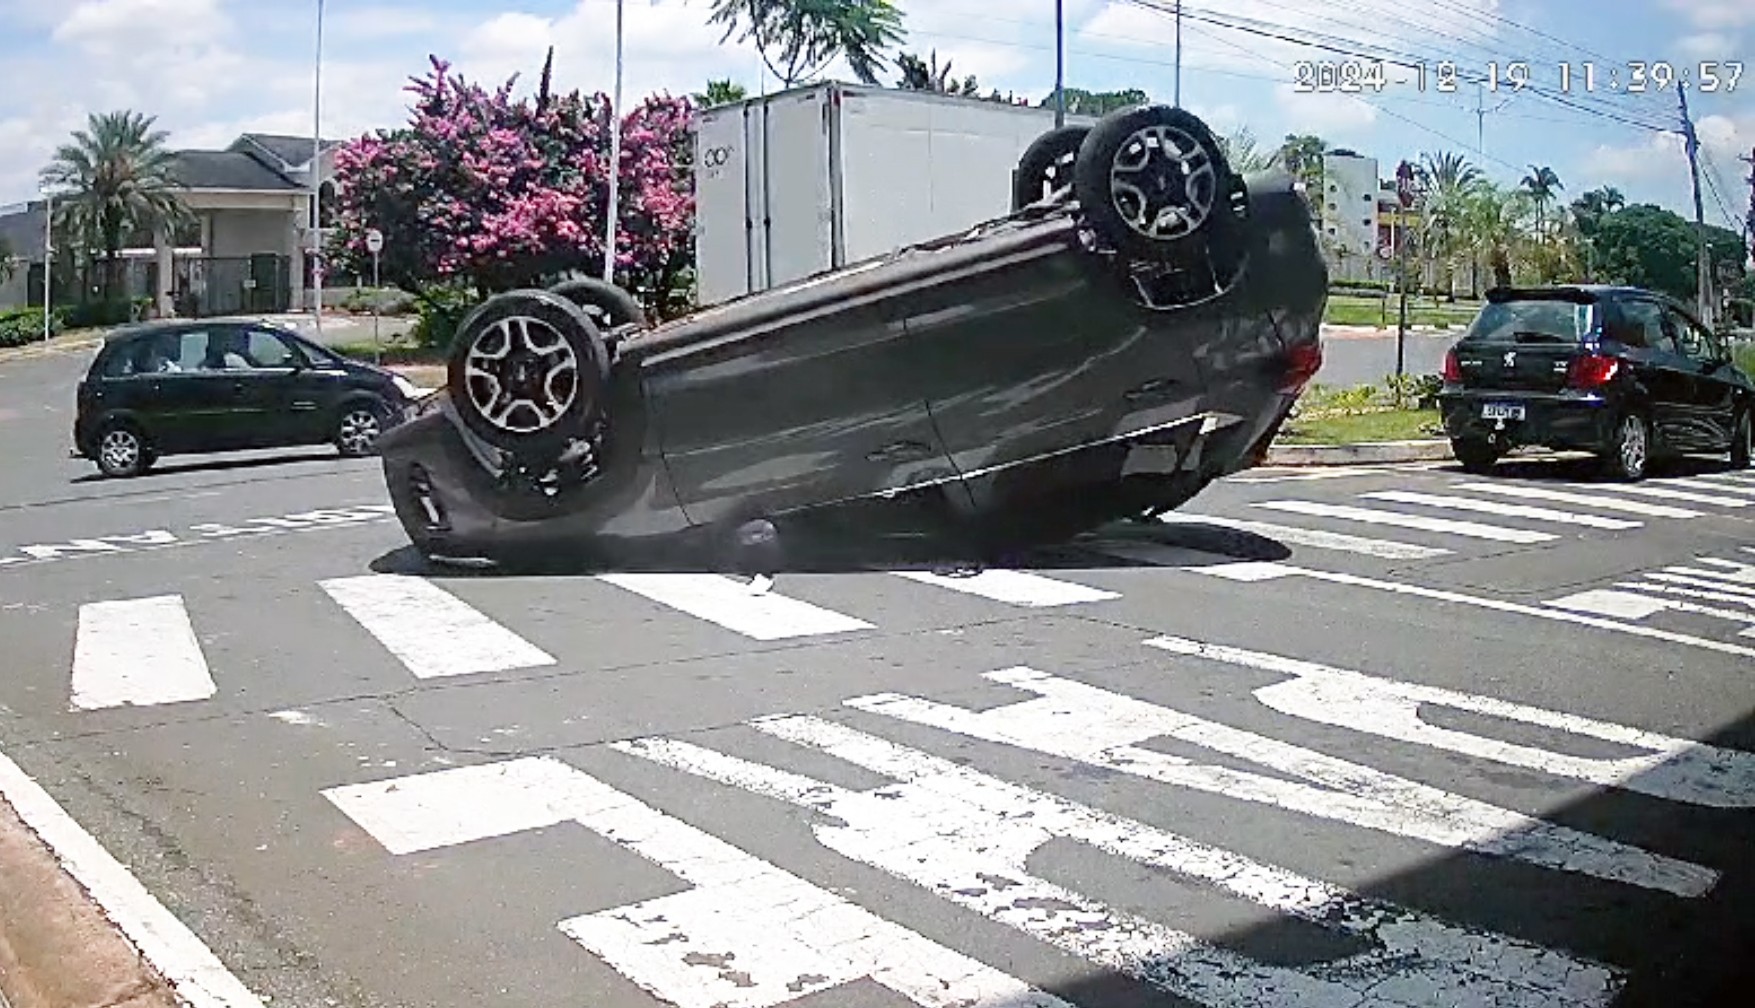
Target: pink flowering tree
point(488, 193)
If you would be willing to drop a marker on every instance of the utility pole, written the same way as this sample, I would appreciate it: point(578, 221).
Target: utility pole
point(1404, 185)
point(317, 181)
point(1059, 64)
point(615, 155)
point(1702, 269)
point(1178, 53)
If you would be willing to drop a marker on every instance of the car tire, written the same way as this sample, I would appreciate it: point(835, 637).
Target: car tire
point(1629, 450)
point(122, 451)
point(527, 371)
point(1476, 456)
point(609, 306)
point(1743, 439)
point(357, 428)
point(1046, 165)
point(1126, 187)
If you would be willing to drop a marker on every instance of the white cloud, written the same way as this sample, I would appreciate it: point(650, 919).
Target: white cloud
point(1711, 45)
point(1716, 13)
point(1338, 117)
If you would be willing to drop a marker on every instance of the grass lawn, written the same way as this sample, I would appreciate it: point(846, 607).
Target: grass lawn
point(1356, 309)
point(1381, 425)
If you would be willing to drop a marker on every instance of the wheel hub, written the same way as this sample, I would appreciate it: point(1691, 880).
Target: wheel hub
point(1164, 182)
point(521, 374)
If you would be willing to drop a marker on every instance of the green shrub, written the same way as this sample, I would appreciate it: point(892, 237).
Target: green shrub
point(93, 314)
point(441, 308)
point(22, 326)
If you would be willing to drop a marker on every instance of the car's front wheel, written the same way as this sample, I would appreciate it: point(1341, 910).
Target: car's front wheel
point(123, 451)
point(1155, 183)
point(1629, 449)
point(1046, 165)
point(527, 371)
point(357, 429)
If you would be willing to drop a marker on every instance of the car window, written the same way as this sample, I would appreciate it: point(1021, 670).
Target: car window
point(265, 349)
point(1646, 319)
point(1690, 339)
point(1533, 321)
point(225, 349)
point(160, 353)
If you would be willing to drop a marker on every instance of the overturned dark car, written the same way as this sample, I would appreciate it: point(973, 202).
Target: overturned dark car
point(1139, 326)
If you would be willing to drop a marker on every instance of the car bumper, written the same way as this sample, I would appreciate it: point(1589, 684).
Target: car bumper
point(1550, 420)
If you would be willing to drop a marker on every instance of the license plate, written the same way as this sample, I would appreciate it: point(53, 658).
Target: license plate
point(1501, 411)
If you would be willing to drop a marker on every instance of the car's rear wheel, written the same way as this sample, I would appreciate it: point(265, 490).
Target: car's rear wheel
point(527, 371)
point(1046, 166)
point(1629, 449)
point(358, 427)
point(609, 306)
point(1155, 184)
point(1476, 456)
point(123, 451)
point(1743, 440)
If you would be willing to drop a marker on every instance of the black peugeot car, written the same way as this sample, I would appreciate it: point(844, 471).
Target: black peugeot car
point(195, 386)
point(1625, 373)
point(1139, 326)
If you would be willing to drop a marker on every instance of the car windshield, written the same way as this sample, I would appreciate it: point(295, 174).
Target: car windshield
point(1531, 321)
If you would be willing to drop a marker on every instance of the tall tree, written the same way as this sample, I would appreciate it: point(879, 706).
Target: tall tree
point(1542, 185)
point(114, 178)
point(1648, 246)
point(1301, 153)
point(720, 92)
point(1447, 180)
point(1245, 153)
point(798, 39)
point(1494, 219)
point(1096, 103)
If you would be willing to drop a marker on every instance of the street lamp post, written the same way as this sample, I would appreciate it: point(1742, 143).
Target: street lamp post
point(615, 155)
point(316, 228)
point(48, 258)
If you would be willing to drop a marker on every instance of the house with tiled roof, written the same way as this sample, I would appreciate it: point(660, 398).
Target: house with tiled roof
point(246, 252)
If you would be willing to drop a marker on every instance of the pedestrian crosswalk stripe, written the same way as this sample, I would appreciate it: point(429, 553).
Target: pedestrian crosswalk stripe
point(1738, 478)
point(1372, 516)
point(1711, 578)
point(1015, 587)
point(1666, 493)
point(1703, 594)
point(967, 837)
point(1076, 721)
point(1505, 510)
point(432, 632)
point(1385, 549)
point(1714, 485)
point(765, 936)
point(726, 602)
point(1583, 500)
point(1741, 573)
point(137, 652)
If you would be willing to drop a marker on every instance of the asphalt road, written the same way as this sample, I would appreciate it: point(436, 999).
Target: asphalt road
point(1381, 736)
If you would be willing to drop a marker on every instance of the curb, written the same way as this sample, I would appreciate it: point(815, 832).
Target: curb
point(54, 349)
point(57, 947)
point(1367, 452)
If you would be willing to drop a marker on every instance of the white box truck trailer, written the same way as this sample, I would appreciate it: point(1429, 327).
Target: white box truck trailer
point(815, 178)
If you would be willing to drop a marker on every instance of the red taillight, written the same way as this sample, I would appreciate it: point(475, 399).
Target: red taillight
point(1592, 371)
point(1302, 363)
point(1452, 368)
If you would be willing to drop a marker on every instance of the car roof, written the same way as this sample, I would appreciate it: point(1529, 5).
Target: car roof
point(1577, 292)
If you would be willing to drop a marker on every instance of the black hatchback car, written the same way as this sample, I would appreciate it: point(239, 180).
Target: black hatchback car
point(195, 386)
point(1622, 372)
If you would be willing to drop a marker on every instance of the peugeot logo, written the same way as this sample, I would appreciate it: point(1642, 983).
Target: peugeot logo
point(1511, 358)
point(715, 157)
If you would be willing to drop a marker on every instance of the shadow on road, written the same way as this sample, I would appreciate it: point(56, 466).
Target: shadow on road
point(1582, 468)
point(215, 465)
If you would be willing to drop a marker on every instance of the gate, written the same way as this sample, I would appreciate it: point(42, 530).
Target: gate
point(260, 284)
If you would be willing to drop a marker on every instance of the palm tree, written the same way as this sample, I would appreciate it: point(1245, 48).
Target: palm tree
point(115, 178)
point(1245, 154)
point(1447, 180)
point(1588, 212)
point(720, 92)
point(920, 75)
point(1541, 184)
point(798, 39)
point(1495, 221)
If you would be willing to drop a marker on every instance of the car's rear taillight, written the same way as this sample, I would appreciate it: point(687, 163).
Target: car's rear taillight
point(1302, 363)
point(1452, 372)
point(1592, 371)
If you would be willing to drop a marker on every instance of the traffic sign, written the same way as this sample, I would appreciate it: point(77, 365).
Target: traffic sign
point(374, 241)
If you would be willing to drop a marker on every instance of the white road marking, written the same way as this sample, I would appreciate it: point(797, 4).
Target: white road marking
point(722, 600)
point(1676, 769)
point(1372, 516)
point(138, 652)
point(198, 976)
point(1666, 493)
point(1606, 602)
point(157, 539)
point(1741, 573)
point(433, 632)
point(1014, 587)
point(1076, 721)
point(1697, 578)
point(967, 837)
point(1716, 486)
point(1315, 538)
point(1693, 593)
point(1441, 595)
point(1505, 510)
point(746, 934)
point(1583, 500)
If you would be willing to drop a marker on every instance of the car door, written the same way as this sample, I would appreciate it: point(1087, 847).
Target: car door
point(795, 410)
point(1661, 369)
point(1711, 408)
point(289, 397)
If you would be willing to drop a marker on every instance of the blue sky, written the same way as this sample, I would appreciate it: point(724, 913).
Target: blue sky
point(212, 68)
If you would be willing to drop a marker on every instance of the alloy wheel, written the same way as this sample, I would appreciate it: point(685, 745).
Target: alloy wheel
point(1163, 183)
point(521, 374)
point(1633, 449)
point(120, 451)
point(358, 431)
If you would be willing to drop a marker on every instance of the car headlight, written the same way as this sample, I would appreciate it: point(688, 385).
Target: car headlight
point(409, 389)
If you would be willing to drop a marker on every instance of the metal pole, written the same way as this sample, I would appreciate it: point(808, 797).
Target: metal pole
point(1178, 53)
point(1059, 64)
point(317, 180)
point(1703, 272)
point(48, 258)
point(615, 155)
point(377, 347)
